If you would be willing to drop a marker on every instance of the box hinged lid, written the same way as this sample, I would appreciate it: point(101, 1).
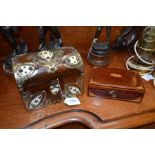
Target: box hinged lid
point(46, 65)
point(120, 79)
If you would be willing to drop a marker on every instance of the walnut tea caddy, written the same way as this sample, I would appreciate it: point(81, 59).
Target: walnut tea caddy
point(48, 76)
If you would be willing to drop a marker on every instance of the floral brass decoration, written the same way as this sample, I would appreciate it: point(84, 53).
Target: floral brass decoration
point(48, 76)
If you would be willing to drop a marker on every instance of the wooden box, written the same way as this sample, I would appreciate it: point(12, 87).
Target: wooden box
point(47, 77)
point(116, 84)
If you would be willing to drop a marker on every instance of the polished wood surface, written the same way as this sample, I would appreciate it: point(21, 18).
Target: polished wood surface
point(93, 112)
point(115, 83)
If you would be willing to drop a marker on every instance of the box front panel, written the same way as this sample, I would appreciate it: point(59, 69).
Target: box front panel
point(72, 85)
point(40, 95)
point(116, 94)
point(52, 91)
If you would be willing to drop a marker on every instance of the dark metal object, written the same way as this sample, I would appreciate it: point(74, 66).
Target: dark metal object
point(17, 47)
point(128, 37)
point(98, 53)
point(54, 40)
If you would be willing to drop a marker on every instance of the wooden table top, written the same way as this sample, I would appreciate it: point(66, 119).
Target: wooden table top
point(94, 112)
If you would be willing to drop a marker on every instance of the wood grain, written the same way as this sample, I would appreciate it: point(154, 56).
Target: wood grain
point(94, 112)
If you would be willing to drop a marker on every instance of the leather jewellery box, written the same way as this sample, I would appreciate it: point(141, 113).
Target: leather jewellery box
point(116, 84)
point(47, 77)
